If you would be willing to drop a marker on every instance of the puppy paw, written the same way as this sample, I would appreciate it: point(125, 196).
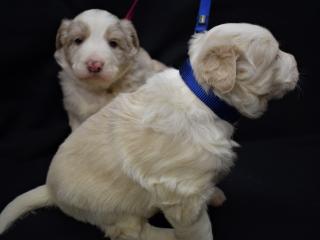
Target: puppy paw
point(218, 198)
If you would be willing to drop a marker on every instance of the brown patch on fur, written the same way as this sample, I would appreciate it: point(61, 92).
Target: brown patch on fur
point(131, 35)
point(69, 31)
point(74, 30)
point(124, 34)
point(77, 29)
point(62, 33)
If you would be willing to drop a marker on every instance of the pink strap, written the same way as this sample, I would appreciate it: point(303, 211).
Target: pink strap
point(131, 11)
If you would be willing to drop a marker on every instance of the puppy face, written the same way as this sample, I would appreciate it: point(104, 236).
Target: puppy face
point(243, 64)
point(96, 47)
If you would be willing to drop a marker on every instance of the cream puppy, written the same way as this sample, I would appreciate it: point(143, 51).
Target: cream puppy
point(160, 147)
point(100, 56)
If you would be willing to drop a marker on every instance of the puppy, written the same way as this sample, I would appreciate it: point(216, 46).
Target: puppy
point(160, 147)
point(100, 56)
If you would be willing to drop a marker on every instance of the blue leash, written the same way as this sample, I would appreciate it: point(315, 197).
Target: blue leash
point(217, 105)
point(203, 16)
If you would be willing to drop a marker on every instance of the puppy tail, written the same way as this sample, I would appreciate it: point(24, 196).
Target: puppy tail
point(36, 198)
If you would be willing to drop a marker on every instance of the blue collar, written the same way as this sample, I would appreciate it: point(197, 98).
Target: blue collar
point(217, 105)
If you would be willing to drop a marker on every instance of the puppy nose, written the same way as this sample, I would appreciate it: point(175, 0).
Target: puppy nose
point(94, 66)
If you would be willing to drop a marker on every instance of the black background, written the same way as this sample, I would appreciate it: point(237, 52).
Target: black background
point(273, 192)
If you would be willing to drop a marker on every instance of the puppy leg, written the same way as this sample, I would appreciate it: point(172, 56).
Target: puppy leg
point(137, 228)
point(218, 197)
point(189, 222)
point(156, 233)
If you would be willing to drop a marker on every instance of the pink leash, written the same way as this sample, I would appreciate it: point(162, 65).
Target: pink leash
point(131, 11)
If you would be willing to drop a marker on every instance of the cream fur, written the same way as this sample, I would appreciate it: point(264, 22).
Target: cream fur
point(160, 147)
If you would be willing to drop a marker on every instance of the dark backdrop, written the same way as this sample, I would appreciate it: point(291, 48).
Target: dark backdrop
point(273, 192)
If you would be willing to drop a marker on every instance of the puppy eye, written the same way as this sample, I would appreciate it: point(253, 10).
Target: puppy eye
point(113, 44)
point(78, 41)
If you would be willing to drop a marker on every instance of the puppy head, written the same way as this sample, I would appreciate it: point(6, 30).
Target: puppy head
point(96, 47)
point(243, 64)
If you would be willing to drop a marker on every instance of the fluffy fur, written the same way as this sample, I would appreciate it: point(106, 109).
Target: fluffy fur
point(160, 147)
point(100, 57)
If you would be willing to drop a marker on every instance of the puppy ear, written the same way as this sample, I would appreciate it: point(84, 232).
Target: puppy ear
point(217, 68)
point(61, 40)
point(61, 36)
point(132, 36)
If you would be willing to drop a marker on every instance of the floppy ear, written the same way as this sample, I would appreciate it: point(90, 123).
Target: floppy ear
point(61, 40)
point(131, 35)
point(217, 68)
point(61, 36)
